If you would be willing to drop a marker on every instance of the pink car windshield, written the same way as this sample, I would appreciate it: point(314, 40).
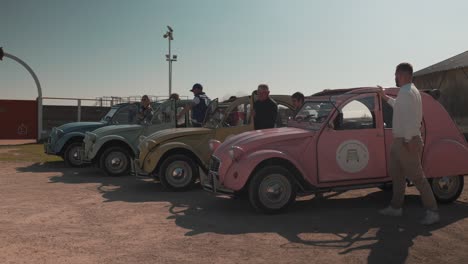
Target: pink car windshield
point(312, 115)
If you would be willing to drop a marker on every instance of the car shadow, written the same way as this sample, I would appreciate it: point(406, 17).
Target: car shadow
point(340, 221)
point(124, 188)
point(353, 223)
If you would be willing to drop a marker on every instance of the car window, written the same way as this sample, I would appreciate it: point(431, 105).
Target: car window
point(387, 111)
point(239, 116)
point(110, 114)
point(284, 113)
point(312, 114)
point(126, 114)
point(358, 114)
point(165, 114)
point(181, 121)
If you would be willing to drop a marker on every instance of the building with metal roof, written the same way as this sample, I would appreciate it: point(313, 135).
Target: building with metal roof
point(450, 77)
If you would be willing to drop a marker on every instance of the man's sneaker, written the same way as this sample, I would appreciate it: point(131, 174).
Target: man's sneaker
point(390, 211)
point(430, 218)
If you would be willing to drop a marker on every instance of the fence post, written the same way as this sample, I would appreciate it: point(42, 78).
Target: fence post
point(79, 110)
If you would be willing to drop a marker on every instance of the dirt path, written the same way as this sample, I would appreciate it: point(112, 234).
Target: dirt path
point(53, 214)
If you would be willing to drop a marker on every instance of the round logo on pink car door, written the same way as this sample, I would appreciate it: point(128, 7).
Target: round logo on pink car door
point(352, 156)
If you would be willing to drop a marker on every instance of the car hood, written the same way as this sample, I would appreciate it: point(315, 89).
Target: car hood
point(172, 133)
point(80, 126)
point(116, 129)
point(263, 138)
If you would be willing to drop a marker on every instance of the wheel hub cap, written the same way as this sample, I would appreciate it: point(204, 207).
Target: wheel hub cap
point(445, 183)
point(115, 162)
point(178, 173)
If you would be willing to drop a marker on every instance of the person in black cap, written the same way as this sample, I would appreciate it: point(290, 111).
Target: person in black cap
point(199, 105)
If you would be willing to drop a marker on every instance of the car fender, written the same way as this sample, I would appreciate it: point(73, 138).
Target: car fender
point(102, 141)
point(445, 157)
point(63, 140)
point(240, 171)
point(154, 156)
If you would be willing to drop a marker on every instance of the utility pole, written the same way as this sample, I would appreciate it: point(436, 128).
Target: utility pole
point(169, 57)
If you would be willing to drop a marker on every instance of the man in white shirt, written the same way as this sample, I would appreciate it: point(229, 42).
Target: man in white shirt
point(407, 146)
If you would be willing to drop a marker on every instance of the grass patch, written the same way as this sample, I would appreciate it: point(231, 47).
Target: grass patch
point(29, 152)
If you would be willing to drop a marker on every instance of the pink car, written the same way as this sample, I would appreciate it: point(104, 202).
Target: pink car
point(339, 140)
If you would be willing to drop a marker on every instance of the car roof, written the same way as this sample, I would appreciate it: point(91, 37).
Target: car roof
point(343, 94)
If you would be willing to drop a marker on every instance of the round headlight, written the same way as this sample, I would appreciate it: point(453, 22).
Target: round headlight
point(236, 153)
point(149, 144)
point(92, 137)
point(214, 144)
point(60, 133)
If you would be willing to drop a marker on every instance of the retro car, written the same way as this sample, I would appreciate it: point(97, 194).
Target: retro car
point(343, 144)
point(176, 155)
point(112, 148)
point(67, 140)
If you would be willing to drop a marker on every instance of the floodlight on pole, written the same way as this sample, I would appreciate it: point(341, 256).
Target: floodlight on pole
point(169, 57)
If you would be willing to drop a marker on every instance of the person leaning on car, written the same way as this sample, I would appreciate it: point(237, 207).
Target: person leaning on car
point(145, 112)
point(407, 146)
point(265, 110)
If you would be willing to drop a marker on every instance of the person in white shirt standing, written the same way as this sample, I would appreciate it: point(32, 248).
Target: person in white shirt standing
point(407, 146)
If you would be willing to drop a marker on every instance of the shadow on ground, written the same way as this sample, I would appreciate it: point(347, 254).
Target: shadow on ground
point(352, 222)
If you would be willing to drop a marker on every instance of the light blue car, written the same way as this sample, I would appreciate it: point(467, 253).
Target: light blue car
point(66, 140)
point(112, 148)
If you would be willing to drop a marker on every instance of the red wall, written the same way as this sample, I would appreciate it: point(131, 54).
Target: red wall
point(18, 119)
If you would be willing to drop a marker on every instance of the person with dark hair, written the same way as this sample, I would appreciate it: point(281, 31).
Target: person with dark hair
point(407, 146)
point(297, 100)
point(265, 110)
point(199, 105)
point(145, 112)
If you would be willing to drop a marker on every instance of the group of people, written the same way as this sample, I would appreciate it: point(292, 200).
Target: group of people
point(406, 149)
point(265, 109)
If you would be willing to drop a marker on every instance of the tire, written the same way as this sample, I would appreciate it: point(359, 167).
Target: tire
point(267, 200)
point(72, 155)
point(115, 161)
point(178, 173)
point(447, 189)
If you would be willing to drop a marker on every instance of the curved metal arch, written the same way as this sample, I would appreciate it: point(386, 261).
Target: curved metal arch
point(39, 89)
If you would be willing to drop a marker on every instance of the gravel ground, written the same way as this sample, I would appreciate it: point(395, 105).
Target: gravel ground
point(53, 214)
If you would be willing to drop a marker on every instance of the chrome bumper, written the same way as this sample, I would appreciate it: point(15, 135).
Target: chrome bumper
point(210, 183)
point(82, 156)
point(137, 171)
point(48, 148)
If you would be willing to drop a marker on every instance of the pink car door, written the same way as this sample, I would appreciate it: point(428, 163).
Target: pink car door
point(354, 149)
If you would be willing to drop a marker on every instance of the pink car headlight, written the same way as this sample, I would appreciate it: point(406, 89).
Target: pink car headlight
point(236, 153)
point(214, 144)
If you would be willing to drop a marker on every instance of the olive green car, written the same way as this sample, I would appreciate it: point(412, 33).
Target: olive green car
point(176, 155)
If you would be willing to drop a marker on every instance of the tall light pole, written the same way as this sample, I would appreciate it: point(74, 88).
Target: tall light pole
point(169, 57)
point(38, 85)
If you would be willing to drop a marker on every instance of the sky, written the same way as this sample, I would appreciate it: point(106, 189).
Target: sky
point(94, 48)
